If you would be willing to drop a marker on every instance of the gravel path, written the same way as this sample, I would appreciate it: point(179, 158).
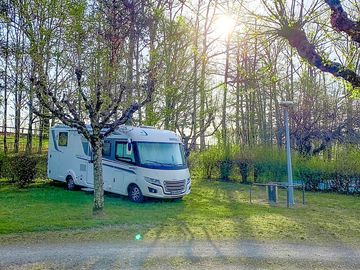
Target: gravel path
point(185, 255)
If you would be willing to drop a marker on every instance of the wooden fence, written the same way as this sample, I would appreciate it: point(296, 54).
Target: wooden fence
point(10, 140)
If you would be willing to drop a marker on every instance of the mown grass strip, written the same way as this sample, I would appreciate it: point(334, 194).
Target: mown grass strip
point(214, 210)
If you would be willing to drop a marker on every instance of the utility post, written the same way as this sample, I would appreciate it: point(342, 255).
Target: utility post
point(290, 197)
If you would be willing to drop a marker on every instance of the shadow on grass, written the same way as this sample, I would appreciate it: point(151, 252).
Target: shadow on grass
point(213, 211)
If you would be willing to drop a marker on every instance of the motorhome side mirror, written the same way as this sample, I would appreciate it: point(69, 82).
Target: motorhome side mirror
point(129, 147)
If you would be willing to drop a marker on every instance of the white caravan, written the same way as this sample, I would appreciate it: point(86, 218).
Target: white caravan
point(137, 161)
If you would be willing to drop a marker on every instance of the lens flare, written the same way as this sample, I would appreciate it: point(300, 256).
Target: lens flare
point(225, 25)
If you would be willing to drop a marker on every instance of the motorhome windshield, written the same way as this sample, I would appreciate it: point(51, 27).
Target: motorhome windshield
point(161, 155)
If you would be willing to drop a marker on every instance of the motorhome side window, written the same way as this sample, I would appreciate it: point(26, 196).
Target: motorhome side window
point(63, 139)
point(106, 148)
point(122, 154)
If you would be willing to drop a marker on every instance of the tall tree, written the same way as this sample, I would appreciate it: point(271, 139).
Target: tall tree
point(5, 10)
point(101, 91)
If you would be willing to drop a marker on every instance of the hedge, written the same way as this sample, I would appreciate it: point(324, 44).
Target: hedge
point(22, 169)
point(268, 164)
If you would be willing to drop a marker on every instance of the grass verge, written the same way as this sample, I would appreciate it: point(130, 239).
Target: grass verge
point(213, 211)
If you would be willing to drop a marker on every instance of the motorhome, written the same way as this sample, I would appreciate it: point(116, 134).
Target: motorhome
point(137, 162)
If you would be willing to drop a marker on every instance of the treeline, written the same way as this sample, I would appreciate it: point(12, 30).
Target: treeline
point(210, 75)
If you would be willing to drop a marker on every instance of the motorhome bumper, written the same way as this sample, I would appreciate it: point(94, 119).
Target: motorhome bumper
point(158, 192)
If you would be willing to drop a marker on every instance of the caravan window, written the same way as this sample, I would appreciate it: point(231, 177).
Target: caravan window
point(106, 148)
point(122, 154)
point(63, 139)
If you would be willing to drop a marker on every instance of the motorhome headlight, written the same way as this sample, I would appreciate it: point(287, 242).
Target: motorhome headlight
point(152, 181)
point(188, 181)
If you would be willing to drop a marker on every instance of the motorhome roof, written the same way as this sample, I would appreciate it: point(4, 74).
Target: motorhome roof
point(145, 134)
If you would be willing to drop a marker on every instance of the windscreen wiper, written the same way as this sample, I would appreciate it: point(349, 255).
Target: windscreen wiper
point(164, 164)
point(155, 162)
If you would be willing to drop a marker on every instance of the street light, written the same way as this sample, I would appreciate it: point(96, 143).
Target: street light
point(286, 105)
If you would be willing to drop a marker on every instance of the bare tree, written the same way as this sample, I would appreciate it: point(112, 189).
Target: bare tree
point(291, 27)
point(102, 94)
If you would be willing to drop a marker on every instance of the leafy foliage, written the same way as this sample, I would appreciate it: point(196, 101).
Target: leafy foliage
point(210, 160)
point(244, 159)
point(268, 164)
point(23, 169)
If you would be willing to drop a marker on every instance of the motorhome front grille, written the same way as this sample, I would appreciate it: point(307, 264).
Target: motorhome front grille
point(174, 186)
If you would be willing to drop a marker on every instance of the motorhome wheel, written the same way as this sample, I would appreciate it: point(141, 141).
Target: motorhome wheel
point(70, 184)
point(135, 194)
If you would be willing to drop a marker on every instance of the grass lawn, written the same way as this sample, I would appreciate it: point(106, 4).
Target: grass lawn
point(214, 211)
point(22, 143)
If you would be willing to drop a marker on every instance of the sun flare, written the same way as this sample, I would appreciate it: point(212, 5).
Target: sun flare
point(225, 25)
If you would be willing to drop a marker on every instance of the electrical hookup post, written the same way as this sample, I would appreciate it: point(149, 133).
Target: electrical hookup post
point(272, 192)
point(290, 194)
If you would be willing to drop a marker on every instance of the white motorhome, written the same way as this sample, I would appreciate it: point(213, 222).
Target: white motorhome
point(137, 162)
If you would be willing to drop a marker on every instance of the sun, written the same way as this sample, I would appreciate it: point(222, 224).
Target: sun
point(224, 25)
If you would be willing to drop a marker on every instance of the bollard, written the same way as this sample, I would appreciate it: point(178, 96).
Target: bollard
point(250, 192)
point(272, 193)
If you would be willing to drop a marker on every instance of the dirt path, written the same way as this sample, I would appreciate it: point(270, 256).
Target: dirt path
point(186, 255)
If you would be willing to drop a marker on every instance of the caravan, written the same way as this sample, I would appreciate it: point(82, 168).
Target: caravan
point(137, 162)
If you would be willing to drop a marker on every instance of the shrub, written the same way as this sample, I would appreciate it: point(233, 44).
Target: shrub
point(225, 167)
point(23, 169)
point(209, 160)
point(269, 164)
point(195, 165)
point(41, 166)
point(341, 174)
point(244, 159)
point(5, 166)
point(345, 176)
point(314, 171)
point(226, 160)
point(2, 164)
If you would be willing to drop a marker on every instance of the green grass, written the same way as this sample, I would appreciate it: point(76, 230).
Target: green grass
point(214, 210)
point(10, 139)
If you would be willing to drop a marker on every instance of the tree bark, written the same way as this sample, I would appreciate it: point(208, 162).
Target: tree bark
point(6, 88)
point(17, 105)
point(29, 136)
point(298, 40)
point(96, 144)
point(224, 105)
point(340, 21)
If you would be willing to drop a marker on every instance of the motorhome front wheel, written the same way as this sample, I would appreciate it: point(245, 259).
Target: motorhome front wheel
point(135, 194)
point(70, 184)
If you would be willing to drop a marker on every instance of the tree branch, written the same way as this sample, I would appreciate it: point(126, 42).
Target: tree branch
point(57, 110)
point(126, 115)
point(341, 22)
point(298, 40)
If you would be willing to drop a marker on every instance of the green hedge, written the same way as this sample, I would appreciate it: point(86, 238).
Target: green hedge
point(268, 164)
point(23, 169)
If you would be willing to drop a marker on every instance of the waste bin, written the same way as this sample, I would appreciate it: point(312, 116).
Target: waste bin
point(272, 193)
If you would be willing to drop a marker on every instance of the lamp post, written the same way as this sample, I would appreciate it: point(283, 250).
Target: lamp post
point(286, 105)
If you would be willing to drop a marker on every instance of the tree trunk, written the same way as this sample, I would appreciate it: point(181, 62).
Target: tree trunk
point(6, 87)
point(29, 136)
point(98, 176)
point(17, 106)
point(137, 77)
point(238, 93)
point(149, 108)
point(196, 64)
point(224, 105)
point(41, 133)
point(204, 63)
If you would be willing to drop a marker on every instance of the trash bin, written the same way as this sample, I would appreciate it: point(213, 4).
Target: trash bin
point(272, 193)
